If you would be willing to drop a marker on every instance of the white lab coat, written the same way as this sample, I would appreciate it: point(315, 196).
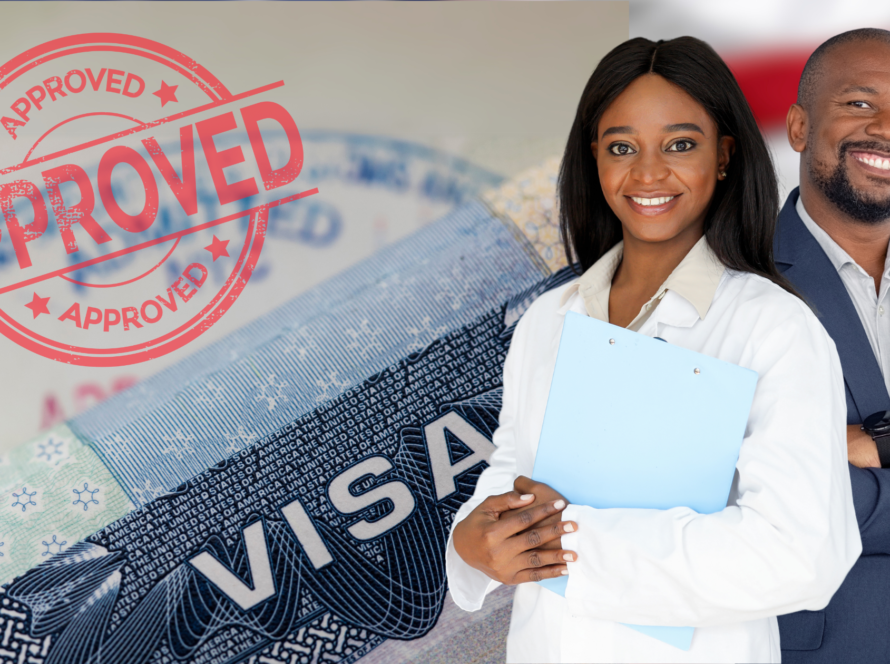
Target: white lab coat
point(784, 543)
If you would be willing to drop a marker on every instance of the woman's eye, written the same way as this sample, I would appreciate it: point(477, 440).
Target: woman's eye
point(681, 146)
point(621, 149)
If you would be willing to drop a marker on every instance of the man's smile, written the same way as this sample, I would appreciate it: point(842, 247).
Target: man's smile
point(873, 162)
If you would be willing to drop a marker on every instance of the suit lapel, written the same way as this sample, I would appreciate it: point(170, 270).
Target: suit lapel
point(804, 263)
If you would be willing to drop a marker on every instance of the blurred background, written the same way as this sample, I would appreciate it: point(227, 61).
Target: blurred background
point(406, 111)
point(766, 44)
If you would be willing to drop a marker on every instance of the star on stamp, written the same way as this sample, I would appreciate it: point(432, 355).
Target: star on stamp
point(135, 190)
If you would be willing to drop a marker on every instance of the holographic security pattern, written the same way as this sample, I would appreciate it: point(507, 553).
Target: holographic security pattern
point(317, 534)
point(314, 544)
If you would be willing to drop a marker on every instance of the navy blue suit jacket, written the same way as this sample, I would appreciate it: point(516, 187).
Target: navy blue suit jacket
point(855, 626)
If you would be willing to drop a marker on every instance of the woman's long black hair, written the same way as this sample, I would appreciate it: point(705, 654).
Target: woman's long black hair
point(741, 218)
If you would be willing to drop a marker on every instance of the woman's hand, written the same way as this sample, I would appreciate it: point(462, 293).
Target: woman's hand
point(508, 548)
point(543, 493)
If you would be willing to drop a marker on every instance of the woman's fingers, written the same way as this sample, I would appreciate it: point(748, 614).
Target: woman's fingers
point(495, 505)
point(542, 558)
point(541, 573)
point(523, 484)
point(534, 538)
point(489, 542)
point(525, 519)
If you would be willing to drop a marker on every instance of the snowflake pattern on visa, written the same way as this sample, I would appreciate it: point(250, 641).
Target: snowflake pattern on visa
point(50, 450)
point(53, 546)
point(55, 507)
point(87, 492)
point(442, 277)
point(24, 499)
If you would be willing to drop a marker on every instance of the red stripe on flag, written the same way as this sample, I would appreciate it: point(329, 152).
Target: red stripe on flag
point(769, 81)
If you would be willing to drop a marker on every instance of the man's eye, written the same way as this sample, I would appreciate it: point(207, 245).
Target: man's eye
point(681, 146)
point(860, 104)
point(621, 149)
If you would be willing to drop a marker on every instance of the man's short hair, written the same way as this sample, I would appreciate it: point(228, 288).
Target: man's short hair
point(814, 68)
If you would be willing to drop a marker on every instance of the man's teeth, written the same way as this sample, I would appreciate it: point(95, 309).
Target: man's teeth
point(883, 164)
point(665, 199)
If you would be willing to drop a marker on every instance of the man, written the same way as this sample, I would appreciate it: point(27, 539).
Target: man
point(832, 245)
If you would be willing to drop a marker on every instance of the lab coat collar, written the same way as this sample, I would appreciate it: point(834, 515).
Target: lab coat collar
point(691, 286)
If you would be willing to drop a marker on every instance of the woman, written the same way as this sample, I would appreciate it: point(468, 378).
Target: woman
point(668, 202)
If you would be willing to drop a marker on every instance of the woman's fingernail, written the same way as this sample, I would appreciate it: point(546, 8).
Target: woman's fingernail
point(564, 572)
point(559, 504)
point(569, 556)
point(527, 496)
point(569, 528)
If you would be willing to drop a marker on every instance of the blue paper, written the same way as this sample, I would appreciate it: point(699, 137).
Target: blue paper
point(679, 637)
point(635, 422)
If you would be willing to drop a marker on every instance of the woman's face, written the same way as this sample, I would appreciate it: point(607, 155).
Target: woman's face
point(659, 160)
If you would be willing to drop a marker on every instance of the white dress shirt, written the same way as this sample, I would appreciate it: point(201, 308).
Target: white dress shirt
point(786, 539)
point(873, 307)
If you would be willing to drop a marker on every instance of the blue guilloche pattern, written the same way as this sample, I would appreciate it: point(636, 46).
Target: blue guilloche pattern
point(362, 367)
point(128, 594)
point(173, 425)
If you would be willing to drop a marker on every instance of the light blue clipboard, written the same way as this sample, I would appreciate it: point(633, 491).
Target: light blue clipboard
point(632, 421)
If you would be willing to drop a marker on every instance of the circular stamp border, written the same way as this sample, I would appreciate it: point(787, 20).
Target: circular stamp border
point(250, 253)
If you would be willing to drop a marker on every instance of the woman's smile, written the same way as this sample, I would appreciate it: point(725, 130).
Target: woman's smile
point(652, 204)
point(659, 158)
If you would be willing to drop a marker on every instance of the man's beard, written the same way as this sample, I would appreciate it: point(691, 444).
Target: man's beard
point(840, 192)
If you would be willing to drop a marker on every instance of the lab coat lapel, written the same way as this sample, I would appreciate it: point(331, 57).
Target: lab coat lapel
point(575, 303)
point(800, 258)
point(673, 311)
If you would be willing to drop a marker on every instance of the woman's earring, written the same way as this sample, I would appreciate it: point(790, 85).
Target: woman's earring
point(722, 175)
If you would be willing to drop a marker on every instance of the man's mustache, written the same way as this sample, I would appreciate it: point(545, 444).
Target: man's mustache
point(863, 146)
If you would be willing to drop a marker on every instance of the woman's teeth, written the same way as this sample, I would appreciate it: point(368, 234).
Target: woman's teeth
point(665, 199)
point(883, 164)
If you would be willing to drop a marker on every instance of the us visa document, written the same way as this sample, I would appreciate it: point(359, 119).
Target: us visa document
point(285, 495)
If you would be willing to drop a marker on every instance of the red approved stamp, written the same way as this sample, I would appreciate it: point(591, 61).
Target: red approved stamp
point(135, 190)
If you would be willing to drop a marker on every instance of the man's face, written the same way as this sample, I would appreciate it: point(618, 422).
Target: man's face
point(847, 152)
